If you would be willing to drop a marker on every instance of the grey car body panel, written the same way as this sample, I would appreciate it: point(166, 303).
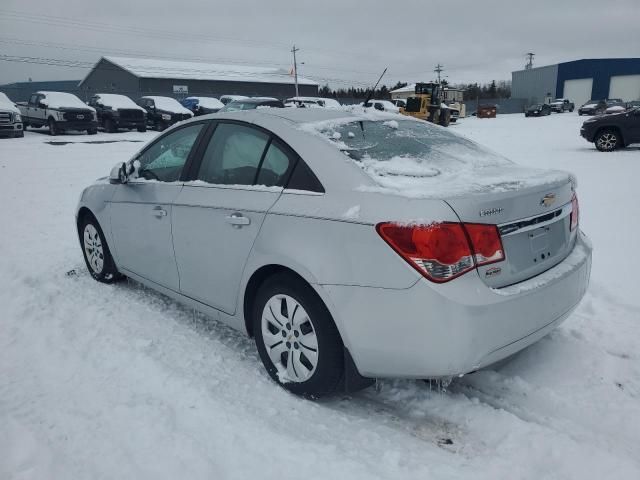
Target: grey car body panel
point(393, 321)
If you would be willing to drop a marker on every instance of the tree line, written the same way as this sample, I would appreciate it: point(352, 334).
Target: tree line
point(471, 91)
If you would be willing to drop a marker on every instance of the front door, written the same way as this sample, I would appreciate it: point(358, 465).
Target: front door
point(217, 219)
point(140, 210)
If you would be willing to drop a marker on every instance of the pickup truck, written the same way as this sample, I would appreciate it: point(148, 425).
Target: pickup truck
point(60, 112)
point(118, 111)
point(560, 105)
point(10, 118)
point(162, 112)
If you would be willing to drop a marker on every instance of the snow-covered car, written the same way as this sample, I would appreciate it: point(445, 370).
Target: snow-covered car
point(202, 105)
point(230, 98)
point(593, 107)
point(252, 104)
point(382, 106)
point(351, 246)
point(561, 105)
point(613, 131)
point(118, 111)
point(10, 118)
point(60, 111)
point(312, 102)
point(162, 112)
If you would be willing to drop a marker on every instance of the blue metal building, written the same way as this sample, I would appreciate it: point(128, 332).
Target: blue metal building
point(579, 80)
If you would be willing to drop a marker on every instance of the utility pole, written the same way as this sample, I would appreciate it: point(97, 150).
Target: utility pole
point(529, 64)
point(295, 68)
point(439, 69)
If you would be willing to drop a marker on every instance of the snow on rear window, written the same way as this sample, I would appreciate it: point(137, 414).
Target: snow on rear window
point(421, 160)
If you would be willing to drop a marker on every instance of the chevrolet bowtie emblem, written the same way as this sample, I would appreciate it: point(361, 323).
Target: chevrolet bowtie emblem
point(548, 200)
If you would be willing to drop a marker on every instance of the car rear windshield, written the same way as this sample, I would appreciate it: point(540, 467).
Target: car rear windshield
point(420, 147)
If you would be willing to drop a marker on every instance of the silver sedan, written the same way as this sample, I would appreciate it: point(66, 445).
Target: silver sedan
point(350, 245)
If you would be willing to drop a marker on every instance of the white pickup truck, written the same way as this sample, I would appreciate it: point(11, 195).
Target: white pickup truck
point(60, 112)
point(10, 118)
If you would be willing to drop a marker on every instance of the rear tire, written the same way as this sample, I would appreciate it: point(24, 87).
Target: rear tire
point(608, 140)
point(92, 131)
point(95, 250)
point(296, 337)
point(142, 129)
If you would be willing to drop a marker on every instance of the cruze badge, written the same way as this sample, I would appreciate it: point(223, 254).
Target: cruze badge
point(491, 211)
point(548, 200)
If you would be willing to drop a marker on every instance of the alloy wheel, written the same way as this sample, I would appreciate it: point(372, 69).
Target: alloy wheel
point(93, 248)
point(607, 141)
point(289, 338)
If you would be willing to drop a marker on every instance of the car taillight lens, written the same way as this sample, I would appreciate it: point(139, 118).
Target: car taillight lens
point(575, 212)
point(444, 251)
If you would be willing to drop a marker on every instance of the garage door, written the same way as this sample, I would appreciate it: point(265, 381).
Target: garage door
point(578, 91)
point(626, 87)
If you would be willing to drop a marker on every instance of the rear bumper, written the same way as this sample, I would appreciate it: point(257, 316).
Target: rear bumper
point(430, 330)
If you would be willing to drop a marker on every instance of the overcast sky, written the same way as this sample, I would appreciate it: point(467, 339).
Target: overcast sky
point(342, 41)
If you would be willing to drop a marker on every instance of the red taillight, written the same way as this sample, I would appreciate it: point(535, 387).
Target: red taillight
point(575, 212)
point(444, 251)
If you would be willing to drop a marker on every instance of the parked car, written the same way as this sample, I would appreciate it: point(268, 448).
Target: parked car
point(615, 106)
point(10, 118)
point(593, 107)
point(163, 112)
point(610, 132)
point(60, 112)
point(118, 111)
point(252, 104)
point(633, 104)
point(202, 105)
point(349, 246)
point(230, 98)
point(382, 106)
point(561, 105)
point(538, 110)
point(312, 102)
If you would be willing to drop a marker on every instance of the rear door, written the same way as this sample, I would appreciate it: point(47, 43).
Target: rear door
point(140, 210)
point(216, 219)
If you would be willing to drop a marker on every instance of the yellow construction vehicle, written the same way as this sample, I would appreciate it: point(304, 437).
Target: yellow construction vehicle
point(427, 105)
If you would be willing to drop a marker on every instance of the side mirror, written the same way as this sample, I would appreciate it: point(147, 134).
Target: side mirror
point(119, 174)
point(41, 105)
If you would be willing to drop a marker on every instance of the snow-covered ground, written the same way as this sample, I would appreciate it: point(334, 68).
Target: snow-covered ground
point(102, 382)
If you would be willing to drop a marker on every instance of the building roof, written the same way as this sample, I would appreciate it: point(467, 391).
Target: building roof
point(160, 68)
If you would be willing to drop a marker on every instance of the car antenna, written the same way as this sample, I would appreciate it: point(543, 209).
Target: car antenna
point(374, 88)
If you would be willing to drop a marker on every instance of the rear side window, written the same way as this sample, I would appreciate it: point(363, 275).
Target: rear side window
point(233, 155)
point(302, 178)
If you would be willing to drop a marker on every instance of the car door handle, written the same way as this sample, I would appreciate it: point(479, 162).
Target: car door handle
point(159, 212)
point(237, 220)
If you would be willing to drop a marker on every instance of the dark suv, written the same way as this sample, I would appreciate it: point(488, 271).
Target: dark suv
point(162, 112)
point(610, 132)
point(118, 111)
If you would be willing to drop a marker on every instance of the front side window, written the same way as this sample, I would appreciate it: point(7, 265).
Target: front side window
point(165, 159)
point(233, 155)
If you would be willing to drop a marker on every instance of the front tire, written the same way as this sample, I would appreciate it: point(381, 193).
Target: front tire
point(608, 140)
point(53, 127)
point(296, 337)
point(92, 131)
point(142, 129)
point(96, 251)
point(110, 126)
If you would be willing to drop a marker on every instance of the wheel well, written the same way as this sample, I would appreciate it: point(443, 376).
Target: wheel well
point(82, 214)
point(256, 280)
point(614, 128)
